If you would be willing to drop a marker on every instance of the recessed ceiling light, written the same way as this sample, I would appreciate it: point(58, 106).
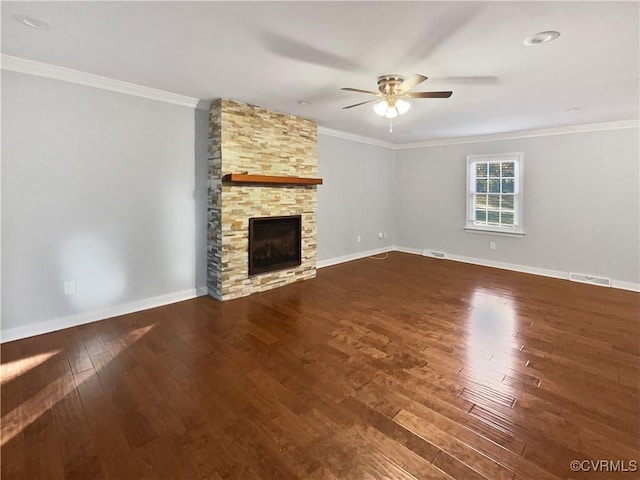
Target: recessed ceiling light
point(31, 22)
point(542, 37)
point(304, 102)
point(574, 109)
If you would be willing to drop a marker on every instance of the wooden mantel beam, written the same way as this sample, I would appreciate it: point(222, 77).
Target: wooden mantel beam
point(269, 179)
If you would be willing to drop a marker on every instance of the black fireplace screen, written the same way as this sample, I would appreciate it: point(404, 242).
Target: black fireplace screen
point(274, 243)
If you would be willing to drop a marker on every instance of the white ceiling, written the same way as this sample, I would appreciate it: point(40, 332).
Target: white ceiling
point(274, 54)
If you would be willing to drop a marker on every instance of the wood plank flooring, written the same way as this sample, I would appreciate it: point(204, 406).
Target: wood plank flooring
point(403, 368)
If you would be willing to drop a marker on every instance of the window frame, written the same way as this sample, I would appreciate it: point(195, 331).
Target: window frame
point(470, 226)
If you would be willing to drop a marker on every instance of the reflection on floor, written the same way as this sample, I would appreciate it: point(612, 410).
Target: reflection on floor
point(405, 368)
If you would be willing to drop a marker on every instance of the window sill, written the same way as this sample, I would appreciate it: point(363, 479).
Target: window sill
point(489, 231)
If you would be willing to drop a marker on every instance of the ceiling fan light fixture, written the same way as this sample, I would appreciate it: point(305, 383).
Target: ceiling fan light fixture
point(380, 108)
point(392, 112)
point(391, 95)
point(402, 106)
point(390, 109)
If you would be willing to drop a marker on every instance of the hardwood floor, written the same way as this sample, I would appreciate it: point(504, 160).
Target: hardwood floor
point(403, 368)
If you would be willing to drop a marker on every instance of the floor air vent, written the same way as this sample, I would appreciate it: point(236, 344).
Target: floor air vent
point(582, 278)
point(433, 253)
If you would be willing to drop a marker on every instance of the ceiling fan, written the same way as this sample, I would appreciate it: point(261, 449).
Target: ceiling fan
point(393, 89)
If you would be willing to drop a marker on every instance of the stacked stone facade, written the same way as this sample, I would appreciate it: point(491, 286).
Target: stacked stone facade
point(248, 139)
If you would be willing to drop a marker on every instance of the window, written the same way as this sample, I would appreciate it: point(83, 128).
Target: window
point(494, 193)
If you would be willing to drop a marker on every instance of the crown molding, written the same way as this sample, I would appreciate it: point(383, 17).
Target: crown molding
point(356, 138)
point(546, 132)
point(32, 67)
point(39, 69)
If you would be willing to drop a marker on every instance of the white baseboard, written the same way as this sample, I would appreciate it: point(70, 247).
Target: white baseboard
point(622, 285)
point(545, 272)
point(353, 256)
point(202, 291)
point(414, 251)
point(47, 326)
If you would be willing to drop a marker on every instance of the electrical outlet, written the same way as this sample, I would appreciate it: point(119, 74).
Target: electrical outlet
point(492, 245)
point(69, 287)
point(358, 238)
point(384, 234)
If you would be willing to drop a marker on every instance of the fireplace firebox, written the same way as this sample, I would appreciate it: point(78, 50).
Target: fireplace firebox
point(275, 243)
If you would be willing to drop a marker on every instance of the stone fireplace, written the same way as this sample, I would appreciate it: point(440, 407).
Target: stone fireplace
point(249, 147)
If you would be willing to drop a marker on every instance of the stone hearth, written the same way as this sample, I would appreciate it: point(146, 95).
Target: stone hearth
point(248, 139)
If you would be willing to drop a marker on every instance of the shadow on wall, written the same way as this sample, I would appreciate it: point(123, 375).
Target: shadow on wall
point(88, 256)
point(201, 193)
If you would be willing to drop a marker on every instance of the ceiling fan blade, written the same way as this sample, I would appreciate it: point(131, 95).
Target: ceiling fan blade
point(470, 79)
point(428, 94)
point(411, 82)
point(287, 47)
point(359, 90)
point(361, 103)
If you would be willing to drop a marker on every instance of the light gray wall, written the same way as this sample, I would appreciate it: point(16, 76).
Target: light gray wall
point(102, 188)
point(110, 190)
point(357, 197)
point(581, 203)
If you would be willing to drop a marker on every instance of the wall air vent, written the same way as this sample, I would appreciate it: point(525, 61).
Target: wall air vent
point(582, 278)
point(433, 253)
